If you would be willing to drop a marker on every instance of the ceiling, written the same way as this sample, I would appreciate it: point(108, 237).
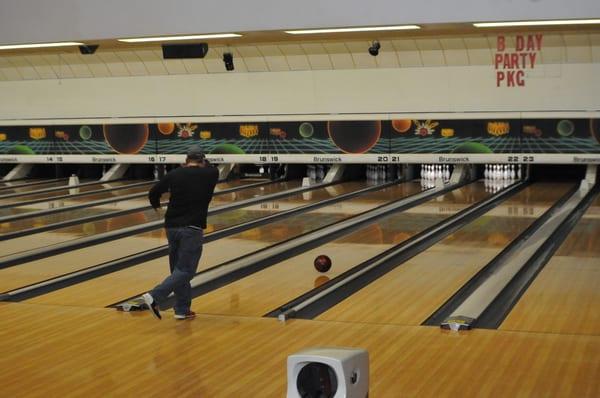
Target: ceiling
point(268, 53)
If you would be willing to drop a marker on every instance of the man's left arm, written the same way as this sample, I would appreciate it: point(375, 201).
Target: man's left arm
point(214, 178)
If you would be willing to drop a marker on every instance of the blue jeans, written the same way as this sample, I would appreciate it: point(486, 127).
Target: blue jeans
point(185, 249)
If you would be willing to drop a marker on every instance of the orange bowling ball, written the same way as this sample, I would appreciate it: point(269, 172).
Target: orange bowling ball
point(166, 128)
point(322, 263)
point(401, 125)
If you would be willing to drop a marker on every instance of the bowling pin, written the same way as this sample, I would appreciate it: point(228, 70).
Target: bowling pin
point(320, 172)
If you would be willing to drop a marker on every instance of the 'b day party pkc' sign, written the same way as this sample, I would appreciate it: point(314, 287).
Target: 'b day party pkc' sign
point(511, 63)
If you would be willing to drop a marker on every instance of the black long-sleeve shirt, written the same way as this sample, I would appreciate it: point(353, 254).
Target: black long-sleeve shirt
point(191, 190)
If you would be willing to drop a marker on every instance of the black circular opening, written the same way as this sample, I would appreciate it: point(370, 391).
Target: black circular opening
point(317, 380)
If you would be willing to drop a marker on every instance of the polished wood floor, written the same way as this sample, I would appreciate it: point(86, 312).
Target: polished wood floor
point(434, 275)
point(135, 280)
point(564, 297)
point(57, 351)
point(66, 343)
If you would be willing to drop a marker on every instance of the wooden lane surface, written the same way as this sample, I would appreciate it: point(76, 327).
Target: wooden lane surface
point(73, 232)
point(258, 294)
point(67, 191)
point(41, 221)
point(54, 203)
point(413, 291)
point(20, 186)
point(33, 194)
point(114, 287)
point(8, 184)
point(49, 267)
point(73, 351)
point(59, 235)
point(565, 296)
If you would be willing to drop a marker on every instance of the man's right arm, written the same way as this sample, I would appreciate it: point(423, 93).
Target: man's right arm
point(157, 190)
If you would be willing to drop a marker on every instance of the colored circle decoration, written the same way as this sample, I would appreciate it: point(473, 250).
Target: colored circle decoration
point(401, 125)
point(306, 130)
point(21, 150)
point(565, 128)
point(472, 147)
point(166, 128)
point(126, 138)
point(355, 136)
point(595, 129)
point(85, 133)
point(227, 149)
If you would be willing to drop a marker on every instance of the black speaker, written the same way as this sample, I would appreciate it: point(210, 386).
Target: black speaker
point(195, 50)
point(228, 61)
point(88, 49)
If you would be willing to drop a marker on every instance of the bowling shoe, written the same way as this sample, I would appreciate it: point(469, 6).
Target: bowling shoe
point(149, 300)
point(187, 315)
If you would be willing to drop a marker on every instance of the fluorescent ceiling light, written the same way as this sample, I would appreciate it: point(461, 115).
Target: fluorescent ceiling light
point(172, 38)
point(342, 30)
point(39, 45)
point(537, 23)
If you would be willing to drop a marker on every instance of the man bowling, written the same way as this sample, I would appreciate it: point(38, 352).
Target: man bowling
point(191, 189)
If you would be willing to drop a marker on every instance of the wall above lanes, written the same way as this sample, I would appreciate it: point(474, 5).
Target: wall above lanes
point(24, 21)
point(468, 89)
point(557, 47)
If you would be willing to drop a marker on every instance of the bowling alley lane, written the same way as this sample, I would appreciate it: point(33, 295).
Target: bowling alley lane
point(31, 185)
point(21, 183)
point(257, 294)
point(68, 191)
point(49, 267)
point(564, 297)
point(44, 239)
point(117, 286)
point(413, 291)
point(85, 229)
point(51, 204)
point(36, 191)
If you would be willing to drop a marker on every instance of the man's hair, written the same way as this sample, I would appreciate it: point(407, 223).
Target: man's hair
point(195, 154)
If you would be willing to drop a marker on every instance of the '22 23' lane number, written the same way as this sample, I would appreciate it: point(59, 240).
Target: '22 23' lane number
point(520, 159)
